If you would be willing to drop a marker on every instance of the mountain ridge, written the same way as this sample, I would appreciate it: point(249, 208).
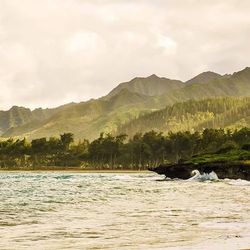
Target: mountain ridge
point(204, 77)
point(151, 85)
point(124, 103)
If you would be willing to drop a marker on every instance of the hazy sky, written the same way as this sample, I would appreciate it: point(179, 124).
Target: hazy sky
point(57, 51)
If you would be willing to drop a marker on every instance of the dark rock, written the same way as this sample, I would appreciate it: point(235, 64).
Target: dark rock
point(231, 170)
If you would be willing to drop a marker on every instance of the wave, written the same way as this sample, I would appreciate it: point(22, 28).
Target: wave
point(238, 182)
point(63, 177)
point(197, 176)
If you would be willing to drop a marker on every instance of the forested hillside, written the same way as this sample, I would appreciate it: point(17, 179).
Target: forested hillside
point(193, 116)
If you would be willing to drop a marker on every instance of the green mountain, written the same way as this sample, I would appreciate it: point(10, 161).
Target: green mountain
point(86, 119)
point(128, 101)
point(204, 77)
point(193, 115)
point(149, 86)
point(18, 116)
point(236, 85)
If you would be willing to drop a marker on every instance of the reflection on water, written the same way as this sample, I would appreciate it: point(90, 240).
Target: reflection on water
point(121, 211)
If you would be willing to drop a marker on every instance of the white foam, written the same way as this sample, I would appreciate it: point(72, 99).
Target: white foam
point(212, 176)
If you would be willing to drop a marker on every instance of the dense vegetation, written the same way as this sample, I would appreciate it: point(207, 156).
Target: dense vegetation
point(193, 116)
point(120, 152)
point(176, 120)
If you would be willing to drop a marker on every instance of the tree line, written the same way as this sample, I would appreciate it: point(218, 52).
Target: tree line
point(119, 152)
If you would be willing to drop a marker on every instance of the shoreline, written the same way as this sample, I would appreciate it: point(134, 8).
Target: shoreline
point(77, 171)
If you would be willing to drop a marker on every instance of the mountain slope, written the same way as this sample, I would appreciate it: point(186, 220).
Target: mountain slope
point(193, 115)
point(150, 86)
point(236, 85)
point(19, 116)
point(204, 77)
point(125, 103)
point(86, 119)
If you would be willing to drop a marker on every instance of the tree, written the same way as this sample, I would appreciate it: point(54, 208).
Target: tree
point(66, 140)
point(54, 145)
point(242, 136)
point(39, 146)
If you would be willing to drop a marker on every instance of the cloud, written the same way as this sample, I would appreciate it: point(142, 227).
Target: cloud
point(168, 45)
point(54, 52)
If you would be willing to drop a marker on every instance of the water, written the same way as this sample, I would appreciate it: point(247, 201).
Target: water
point(121, 211)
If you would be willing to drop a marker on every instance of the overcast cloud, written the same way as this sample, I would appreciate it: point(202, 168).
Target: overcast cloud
point(57, 51)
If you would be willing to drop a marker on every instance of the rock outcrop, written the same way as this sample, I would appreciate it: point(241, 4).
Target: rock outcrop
point(231, 170)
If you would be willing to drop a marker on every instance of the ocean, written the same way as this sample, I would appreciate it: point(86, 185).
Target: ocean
point(63, 210)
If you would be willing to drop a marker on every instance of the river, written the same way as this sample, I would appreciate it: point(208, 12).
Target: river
point(57, 210)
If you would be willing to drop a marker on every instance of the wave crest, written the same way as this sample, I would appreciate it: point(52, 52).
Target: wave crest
point(197, 176)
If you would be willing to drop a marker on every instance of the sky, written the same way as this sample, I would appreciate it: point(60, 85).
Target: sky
point(54, 52)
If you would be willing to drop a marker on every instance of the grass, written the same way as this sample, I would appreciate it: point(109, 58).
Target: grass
point(232, 156)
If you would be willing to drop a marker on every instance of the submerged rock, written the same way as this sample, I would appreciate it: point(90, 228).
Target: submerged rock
point(230, 170)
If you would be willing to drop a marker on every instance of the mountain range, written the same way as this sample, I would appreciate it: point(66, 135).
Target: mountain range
point(139, 105)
